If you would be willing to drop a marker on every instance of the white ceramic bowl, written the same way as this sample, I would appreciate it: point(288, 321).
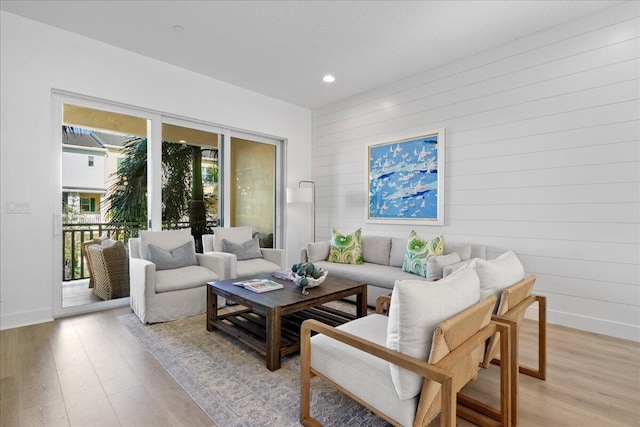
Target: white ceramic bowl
point(312, 282)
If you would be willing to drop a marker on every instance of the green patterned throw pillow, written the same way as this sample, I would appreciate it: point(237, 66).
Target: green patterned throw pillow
point(418, 250)
point(346, 249)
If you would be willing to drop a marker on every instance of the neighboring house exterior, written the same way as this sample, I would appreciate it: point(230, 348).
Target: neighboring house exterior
point(89, 160)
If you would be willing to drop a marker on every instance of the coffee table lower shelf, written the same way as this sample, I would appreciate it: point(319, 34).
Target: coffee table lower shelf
point(250, 327)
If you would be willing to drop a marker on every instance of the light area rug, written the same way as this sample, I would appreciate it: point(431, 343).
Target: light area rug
point(231, 383)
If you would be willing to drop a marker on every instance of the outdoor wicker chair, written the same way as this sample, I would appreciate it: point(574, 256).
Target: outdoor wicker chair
point(109, 268)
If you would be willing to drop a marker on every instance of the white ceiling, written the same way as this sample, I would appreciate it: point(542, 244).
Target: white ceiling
point(283, 48)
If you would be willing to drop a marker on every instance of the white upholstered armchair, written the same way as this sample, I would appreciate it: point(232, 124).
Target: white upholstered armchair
point(241, 253)
point(168, 279)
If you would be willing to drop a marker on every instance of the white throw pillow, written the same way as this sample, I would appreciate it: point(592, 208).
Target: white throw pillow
point(498, 274)
point(318, 251)
point(417, 307)
point(435, 264)
point(233, 234)
point(167, 240)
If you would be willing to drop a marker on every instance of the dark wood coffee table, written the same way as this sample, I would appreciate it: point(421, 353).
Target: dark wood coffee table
point(270, 323)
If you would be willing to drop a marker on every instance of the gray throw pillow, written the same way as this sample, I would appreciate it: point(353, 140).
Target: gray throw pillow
point(247, 250)
point(182, 256)
point(435, 264)
point(318, 251)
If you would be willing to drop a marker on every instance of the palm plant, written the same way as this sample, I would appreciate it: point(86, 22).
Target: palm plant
point(181, 186)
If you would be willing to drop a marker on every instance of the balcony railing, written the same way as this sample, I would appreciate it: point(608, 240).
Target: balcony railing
point(74, 266)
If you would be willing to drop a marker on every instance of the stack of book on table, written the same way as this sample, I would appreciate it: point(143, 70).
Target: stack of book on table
point(259, 285)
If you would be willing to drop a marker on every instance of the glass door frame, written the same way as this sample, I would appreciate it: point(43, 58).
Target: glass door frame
point(58, 99)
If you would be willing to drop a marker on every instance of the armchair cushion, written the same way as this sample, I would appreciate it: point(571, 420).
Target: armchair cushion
point(167, 240)
point(417, 307)
point(182, 256)
point(362, 374)
point(243, 251)
point(498, 274)
point(252, 267)
point(232, 234)
point(177, 279)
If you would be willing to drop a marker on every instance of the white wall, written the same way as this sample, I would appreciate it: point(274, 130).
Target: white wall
point(542, 157)
point(36, 59)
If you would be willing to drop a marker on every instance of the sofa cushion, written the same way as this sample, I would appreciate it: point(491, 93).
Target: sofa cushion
point(417, 307)
point(498, 274)
point(183, 278)
point(318, 251)
point(182, 256)
point(167, 240)
point(232, 234)
point(463, 250)
point(376, 249)
point(435, 264)
point(251, 267)
point(418, 251)
point(346, 249)
point(372, 274)
point(398, 248)
point(366, 376)
point(246, 250)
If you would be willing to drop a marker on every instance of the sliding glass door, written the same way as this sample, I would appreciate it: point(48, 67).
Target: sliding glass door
point(253, 190)
point(120, 170)
point(101, 199)
point(190, 179)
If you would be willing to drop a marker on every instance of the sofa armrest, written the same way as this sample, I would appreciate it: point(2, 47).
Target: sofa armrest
point(142, 274)
point(383, 303)
point(214, 263)
point(230, 262)
point(304, 255)
point(275, 256)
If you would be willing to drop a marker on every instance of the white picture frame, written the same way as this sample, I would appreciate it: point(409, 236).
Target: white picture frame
point(405, 180)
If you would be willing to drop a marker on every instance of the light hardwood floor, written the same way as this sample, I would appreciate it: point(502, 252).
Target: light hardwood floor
point(88, 370)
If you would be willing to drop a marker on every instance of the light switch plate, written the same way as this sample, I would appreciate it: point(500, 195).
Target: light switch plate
point(18, 207)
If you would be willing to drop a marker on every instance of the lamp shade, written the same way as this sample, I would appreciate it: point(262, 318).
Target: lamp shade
point(300, 195)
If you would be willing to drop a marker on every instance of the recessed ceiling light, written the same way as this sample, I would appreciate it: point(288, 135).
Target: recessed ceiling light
point(182, 141)
point(178, 28)
point(328, 78)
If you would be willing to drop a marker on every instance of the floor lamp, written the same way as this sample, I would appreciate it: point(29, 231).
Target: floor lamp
point(304, 195)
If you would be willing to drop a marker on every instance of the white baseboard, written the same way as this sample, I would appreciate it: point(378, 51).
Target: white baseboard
point(25, 318)
point(589, 324)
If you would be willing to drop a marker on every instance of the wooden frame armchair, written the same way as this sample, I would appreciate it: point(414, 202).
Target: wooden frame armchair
point(514, 302)
point(458, 344)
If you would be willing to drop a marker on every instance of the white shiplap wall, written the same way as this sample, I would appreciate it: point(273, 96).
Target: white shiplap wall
point(542, 157)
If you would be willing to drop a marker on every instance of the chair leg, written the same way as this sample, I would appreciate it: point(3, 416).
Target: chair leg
point(541, 371)
point(448, 406)
point(305, 375)
point(482, 414)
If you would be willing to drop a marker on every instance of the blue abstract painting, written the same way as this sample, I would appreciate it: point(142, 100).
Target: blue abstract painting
point(405, 179)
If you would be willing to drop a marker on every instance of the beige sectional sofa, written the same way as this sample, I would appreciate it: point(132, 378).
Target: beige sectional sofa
point(383, 257)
